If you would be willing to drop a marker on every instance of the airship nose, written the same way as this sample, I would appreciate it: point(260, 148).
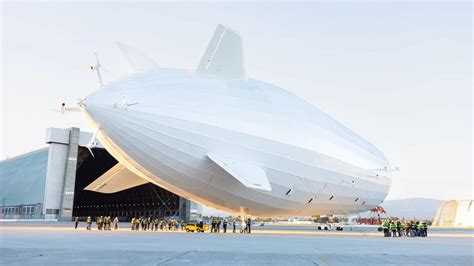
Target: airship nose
point(94, 110)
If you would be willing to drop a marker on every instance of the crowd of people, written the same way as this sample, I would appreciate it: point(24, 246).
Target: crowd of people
point(102, 222)
point(395, 228)
point(154, 224)
point(245, 225)
point(390, 228)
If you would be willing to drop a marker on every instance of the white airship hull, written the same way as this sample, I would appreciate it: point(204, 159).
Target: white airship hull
point(314, 165)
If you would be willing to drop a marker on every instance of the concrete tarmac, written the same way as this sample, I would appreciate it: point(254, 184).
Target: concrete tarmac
point(59, 245)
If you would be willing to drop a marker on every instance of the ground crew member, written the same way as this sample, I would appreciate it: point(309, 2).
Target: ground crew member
point(417, 228)
point(393, 228)
point(201, 226)
point(116, 221)
point(399, 228)
point(76, 222)
point(224, 225)
point(233, 226)
point(213, 225)
point(100, 222)
point(249, 224)
point(425, 229)
point(89, 222)
point(146, 222)
point(385, 228)
point(107, 223)
point(412, 229)
point(133, 223)
point(420, 229)
point(406, 228)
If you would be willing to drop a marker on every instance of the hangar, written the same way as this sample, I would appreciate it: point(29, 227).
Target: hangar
point(49, 184)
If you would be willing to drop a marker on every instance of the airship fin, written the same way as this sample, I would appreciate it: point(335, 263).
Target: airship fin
point(138, 61)
point(249, 175)
point(223, 56)
point(118, 178)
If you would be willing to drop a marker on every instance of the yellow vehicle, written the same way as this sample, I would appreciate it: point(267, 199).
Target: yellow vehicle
point(195, 227)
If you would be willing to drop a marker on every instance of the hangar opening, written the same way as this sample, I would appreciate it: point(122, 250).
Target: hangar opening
point(146, 200)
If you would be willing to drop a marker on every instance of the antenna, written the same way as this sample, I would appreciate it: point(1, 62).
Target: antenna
point(96, 67)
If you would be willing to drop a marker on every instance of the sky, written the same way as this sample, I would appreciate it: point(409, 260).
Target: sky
point(398, 74)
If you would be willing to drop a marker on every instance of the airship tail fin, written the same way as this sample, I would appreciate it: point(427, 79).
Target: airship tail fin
point(118, 178)
point(249, 175)
point(139, 62)
point(223, 56)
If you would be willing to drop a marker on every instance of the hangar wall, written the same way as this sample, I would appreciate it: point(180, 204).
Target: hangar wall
point(22, 185)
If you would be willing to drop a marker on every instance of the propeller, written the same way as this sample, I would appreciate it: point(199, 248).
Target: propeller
point(125, 102)
point(64, 108)
point(96, 67)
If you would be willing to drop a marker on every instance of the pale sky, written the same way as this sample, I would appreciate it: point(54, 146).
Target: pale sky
point(399, 75)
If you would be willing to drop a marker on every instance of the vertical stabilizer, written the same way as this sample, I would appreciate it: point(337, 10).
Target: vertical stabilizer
point(223, 56)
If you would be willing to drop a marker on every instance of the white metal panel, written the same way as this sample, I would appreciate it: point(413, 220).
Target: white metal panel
point(249, 175)
point(116, 179)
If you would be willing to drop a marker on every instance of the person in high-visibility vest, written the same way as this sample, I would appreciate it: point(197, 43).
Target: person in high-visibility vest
point(420, 229)
point(133, 223)
point(399, 228)
point(412, 229)
point(385, 228)
point(417, 228)
point(425, 229)
point(393, 228)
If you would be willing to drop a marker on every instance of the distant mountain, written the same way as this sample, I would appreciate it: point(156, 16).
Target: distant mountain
point(413, 208)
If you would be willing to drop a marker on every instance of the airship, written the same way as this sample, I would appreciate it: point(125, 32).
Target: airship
point(215, 136)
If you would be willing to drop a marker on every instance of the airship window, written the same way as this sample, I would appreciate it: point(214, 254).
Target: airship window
point(289, 191)
point(356, 199)
point(311, 199)
point(363, 203)
point(331, 197)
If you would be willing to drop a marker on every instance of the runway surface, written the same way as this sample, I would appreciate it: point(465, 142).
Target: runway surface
point(53, 244)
